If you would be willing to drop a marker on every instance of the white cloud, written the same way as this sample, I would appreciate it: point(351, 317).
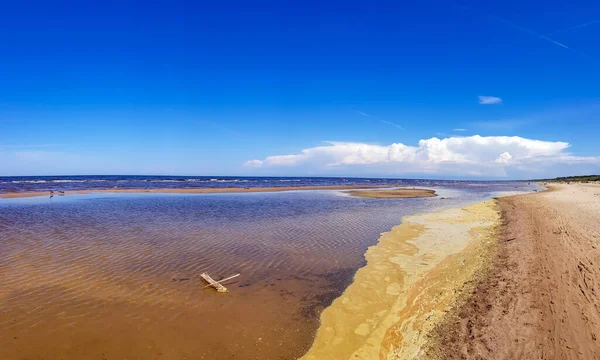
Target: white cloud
point(492, 156)
point(504, 158)
point(459, 129)
point(254, 163)
point(489, 100)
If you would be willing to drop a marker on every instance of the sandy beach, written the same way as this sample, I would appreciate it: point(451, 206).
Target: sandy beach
point(508, 278)
point(403, 193)
point(540, 298)
point(511, 278)
point(411, 278)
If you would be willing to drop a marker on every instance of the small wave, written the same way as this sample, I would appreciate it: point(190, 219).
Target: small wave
point(28, 181)
point(76, 181)
point(227, 180)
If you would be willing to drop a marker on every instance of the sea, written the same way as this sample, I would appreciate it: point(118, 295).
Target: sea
point(116, 275)
point(86, 182)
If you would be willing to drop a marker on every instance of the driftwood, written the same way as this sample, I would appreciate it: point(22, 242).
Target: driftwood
point(217, 284)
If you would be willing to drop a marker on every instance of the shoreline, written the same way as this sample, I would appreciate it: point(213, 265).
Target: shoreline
point(417, 277)
point(366, 191)
point(398, 298)
point(509, 278)
point(538, 300)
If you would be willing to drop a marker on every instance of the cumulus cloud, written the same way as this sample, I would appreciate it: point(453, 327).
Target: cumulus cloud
point(489, 100)
point(504, 158)
point(473, 155)
point(254, 163)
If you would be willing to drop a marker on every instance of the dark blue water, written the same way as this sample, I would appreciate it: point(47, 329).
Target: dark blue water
point(85, 182)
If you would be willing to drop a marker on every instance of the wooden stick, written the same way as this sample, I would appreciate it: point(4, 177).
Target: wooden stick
point(220, 281)
point(220, 288)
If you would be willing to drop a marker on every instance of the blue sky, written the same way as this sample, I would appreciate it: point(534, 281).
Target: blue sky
point(213, 88)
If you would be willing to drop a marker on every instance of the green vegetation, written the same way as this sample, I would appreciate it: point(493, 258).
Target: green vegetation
point(578, 178)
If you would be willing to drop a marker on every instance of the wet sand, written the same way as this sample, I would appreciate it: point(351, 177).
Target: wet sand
point(541, 297)
point(8, 195)
point(400, 193)
point(412, 276)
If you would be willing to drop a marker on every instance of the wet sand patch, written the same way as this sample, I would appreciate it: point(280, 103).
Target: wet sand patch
point(400, 193)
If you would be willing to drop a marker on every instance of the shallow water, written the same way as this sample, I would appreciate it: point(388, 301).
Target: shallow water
point(115, 276)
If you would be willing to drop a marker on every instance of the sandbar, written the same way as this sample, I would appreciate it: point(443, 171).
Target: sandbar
point(23, 194)
point(399, 193)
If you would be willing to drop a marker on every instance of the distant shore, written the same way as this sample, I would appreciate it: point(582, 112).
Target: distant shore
point(361, 190)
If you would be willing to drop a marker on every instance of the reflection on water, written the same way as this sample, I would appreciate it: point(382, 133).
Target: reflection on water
point(116, 276)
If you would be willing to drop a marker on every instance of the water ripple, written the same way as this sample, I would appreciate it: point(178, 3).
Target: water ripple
point(88, 276)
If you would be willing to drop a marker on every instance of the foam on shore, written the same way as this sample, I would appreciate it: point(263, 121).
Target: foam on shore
point(412, 276)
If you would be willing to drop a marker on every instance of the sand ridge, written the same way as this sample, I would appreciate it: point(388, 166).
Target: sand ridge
point(9, 195)
point(399, 193)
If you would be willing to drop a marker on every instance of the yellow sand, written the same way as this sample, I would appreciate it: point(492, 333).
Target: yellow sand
point(412, 276)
